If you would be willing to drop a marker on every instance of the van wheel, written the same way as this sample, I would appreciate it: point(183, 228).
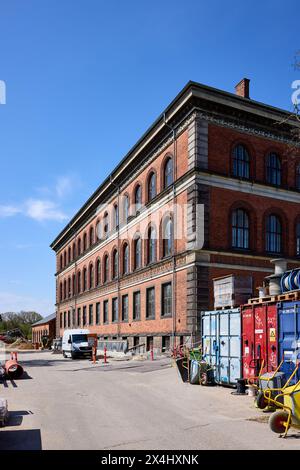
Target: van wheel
point(277, 421)
point(73, 356)
point(64, 355)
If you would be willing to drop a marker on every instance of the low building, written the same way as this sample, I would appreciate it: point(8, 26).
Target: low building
point(44, 327)
point(231, 166)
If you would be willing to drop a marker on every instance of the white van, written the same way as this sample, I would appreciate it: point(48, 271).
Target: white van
point(75, 344)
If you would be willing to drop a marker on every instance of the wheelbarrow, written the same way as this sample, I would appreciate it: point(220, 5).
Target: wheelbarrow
point(288, 410)
point(270, 384)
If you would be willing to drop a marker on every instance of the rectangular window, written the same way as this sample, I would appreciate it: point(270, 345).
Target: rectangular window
point(105, 311)
point(78, 316)
point(91, 319)
point(150, 302)
point(97, 313)
point(84, 316)
point(137, 305)
point(115, 313)
point(65, 319)
point(166, 299)
point(73, 316)
point(125, 308)
point(69, 319)
point(61, 319)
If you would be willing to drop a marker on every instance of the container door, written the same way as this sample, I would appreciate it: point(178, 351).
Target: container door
point(272, 338)
point(206, 336)
point(247, 341)
point(260, 340)
point(289, 344)
point(224, 347)
point(234, 347)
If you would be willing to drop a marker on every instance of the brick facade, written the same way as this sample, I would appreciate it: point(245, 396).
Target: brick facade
point(207, 125)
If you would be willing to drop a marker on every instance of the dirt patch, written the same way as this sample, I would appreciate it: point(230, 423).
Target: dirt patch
point(259, 419)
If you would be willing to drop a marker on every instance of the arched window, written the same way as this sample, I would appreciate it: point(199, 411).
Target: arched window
point(60, 291)
point(69, 255)
point(116, 216)
point(65, 258)
point(91, 236)
point(84, 279)
point(105, 224)
point(78, 247)
point(151, 186)
point(298, 177)
point(79, 282)
point(240, 229)
point(84, 241)
point(241, 162)
point(125, 208)
point(168, 172)
point(73, 285)
point(115, 265)
point(65, 289)
point(137, 253)
point(167, 235)
point(273, 169)
point(61, 264)
point(138, 197)
point(74, 250)
point(298, 239)
point(69, 287)
point(151, 242)
point(98, 272)
point(106, 269)
point(125, 259)
point(91, 276)
point(273, 234)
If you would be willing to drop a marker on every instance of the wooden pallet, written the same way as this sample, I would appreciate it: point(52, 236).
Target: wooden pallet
point(260, 300)
point(226, 307)
point(292, 295)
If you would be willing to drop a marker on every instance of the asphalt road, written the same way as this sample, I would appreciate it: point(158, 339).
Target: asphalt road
point(65, 404)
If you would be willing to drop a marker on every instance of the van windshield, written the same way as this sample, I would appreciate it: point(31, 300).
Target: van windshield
point(79, 338)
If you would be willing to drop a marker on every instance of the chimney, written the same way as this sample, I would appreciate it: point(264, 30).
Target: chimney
point(242, 88)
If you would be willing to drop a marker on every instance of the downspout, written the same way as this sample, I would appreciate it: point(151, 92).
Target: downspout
point(174, 240)
point(119, 257)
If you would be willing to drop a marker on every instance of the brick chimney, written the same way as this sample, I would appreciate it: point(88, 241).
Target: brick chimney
point(242, 88)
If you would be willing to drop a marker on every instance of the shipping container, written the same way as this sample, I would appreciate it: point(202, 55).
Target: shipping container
point(289, 335)
point(232, 291)
point(259, 338)
point(221, 343)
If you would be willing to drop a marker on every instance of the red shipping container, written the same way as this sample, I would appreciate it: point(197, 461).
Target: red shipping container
point(259, 338)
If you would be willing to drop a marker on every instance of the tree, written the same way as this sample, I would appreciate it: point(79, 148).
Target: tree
point(22, 320)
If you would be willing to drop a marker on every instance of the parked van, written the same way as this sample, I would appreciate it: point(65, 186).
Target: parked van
point(75, 343)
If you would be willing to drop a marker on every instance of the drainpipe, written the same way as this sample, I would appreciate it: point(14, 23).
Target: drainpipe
point(174, 240)
point(118, 244)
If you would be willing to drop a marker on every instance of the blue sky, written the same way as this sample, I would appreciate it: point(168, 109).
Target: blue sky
point(85, 78)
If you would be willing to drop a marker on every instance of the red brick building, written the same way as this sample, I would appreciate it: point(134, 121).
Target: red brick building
point(44, 327)
point(122, 269)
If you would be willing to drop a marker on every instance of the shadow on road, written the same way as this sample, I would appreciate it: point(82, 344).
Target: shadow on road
point(28, 439)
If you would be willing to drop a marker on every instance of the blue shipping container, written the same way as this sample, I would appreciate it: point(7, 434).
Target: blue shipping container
point(289, 335)
point(221, 343)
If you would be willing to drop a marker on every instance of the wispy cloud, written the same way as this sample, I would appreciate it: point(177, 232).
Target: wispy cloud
point(64, 186)
point(48, 205)
point(41, 210)
point(36, 209)
point(9, 211)
point(10, 302)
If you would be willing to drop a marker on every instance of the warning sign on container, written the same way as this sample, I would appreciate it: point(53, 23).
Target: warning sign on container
point(272, 334)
